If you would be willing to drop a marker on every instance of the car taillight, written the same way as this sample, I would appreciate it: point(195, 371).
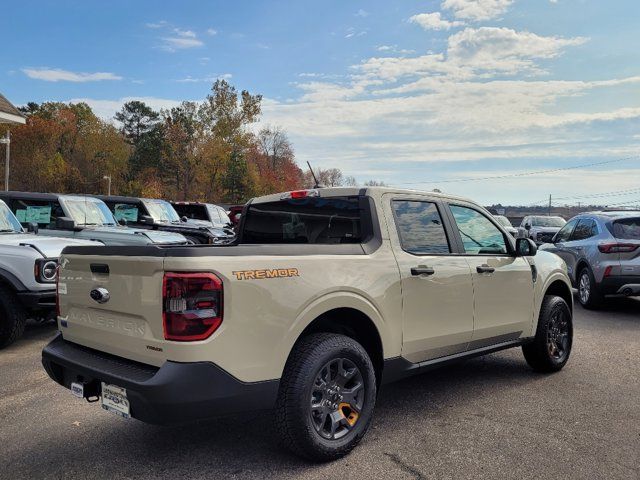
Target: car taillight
point(57, 291)
point(617, 247)
point(192, 306)
point(300, 194)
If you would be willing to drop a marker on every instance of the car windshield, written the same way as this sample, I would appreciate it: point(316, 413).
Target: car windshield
point(548, 222)
point(502, 220)
point(8, 221)
point(89, 211)
point(161, 211)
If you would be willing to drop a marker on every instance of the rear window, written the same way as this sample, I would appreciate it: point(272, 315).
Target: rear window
point(308, 220)
point(193, 212)
point(628, 228)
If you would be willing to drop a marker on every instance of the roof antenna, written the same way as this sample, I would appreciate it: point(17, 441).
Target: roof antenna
point(315, 179)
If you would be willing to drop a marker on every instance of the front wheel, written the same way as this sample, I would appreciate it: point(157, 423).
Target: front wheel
point(326, 398)
point(551, 347)
point(13, 317)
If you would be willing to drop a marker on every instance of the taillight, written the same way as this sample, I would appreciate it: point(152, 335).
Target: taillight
point(299, 194)
point(617, 247)
point(192, 306)
point(57, 291)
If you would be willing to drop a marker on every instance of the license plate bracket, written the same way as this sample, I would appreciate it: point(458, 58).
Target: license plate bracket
point(114, 399)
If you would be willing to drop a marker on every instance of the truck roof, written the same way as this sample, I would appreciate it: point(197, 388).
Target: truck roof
point(351, 191)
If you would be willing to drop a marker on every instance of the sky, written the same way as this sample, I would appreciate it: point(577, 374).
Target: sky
point(446, 94)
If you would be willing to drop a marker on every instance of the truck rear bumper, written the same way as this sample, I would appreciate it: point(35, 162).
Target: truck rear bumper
point(174, 393)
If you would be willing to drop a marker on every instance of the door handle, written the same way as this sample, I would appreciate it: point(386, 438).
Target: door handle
point(485, 269)
point(422, 270)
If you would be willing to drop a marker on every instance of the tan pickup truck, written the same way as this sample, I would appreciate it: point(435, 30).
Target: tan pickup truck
point(325, 295)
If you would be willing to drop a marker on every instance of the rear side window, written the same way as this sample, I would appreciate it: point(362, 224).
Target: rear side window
point(420, 227)
point(308, 220)
point(627, 229)
point(193, 212)
point(586, 228)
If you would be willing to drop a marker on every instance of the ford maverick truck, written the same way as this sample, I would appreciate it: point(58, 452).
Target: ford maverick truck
point(325, 295)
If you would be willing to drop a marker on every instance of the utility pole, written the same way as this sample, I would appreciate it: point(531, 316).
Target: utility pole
point(7, 141)
point(108, 179)
point(549, 214)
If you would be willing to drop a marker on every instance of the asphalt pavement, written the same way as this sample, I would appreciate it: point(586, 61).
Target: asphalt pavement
point(490, 417)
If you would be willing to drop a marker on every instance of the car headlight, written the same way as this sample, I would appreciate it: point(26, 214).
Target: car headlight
point(45, 270)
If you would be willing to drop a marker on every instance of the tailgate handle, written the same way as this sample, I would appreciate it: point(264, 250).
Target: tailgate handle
point(100, 268)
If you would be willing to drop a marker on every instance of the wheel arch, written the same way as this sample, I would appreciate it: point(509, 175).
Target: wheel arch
point(561, 289)
point(354, 324)
point(10, 280)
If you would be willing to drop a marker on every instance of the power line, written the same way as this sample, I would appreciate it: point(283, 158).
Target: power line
point(520, 174)
point(613, 193)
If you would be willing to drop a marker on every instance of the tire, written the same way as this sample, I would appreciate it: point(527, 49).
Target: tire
point(551, 347)
point(13, 317)
point(308, 431)
point(589, 295)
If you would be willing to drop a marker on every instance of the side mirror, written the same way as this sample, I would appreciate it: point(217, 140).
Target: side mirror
point(184, 218)
point(32, 227)
point(123, 222)
point(146, 219)
point(525, 247)
point(527, 226)
point(65, 223)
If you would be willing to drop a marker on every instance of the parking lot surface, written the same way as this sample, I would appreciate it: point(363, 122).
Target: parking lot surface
point(490, 417)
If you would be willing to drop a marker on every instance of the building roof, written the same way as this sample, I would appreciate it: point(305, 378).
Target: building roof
point(9, 113)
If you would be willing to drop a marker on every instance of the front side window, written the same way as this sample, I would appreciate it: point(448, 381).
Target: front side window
point(306, 220)
point(42, 212)
point(565, 232)
point(479, 235)
point(586, 228)
point(420, 227)
point(126, 211)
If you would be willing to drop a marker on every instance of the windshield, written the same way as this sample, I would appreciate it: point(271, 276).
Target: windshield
point(89, 211)
point(502, 220)
point(8, 221)
point(548, 222)
point(161, 211)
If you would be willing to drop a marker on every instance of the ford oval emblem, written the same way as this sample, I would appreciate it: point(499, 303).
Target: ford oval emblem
point(100, 295)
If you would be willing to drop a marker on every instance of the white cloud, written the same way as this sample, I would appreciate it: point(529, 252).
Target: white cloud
point(434, 21)
point(362, 13)
point(106, 109)
point(60, 75)
point(171, 44)
point(394, 49)
point(160, 24)
point(184, 33)
point(208, 79)
point(211, 32)
point(476, 10)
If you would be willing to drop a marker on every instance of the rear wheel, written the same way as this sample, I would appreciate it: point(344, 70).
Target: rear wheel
point(13, 317)
point(588, 293)
point(551, 347)
point(326, 399)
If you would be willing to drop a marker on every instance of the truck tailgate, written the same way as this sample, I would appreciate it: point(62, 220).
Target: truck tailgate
point(129, 322)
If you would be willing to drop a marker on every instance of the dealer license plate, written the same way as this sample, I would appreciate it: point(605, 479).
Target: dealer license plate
point(114, 399)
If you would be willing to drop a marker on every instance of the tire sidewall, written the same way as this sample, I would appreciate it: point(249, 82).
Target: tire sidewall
point(556, 304)
point(368, 376)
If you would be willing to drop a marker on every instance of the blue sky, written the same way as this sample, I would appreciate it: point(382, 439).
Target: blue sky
point(418, 94)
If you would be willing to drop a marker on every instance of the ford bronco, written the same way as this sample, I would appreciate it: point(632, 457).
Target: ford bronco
point(325, 295)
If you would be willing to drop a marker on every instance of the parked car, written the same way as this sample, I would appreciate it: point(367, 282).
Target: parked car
point(28, 264)
point(159, 215)
point(540, 229)
point(602, 253)
point(506, 223)
point(327, 294)
point(204, 214)
point(81, 217)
